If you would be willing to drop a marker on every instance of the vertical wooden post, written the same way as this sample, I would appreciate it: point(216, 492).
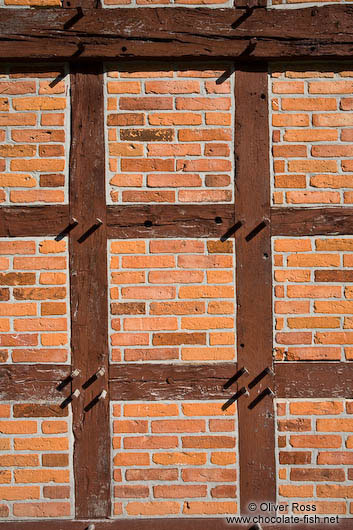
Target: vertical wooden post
point(88, 286)
point(253, 284)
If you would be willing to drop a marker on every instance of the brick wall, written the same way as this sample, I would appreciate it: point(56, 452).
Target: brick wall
point(314, 455)
point(172, 300)
point(170, 133)
point(36, 479)
point(34, 304)
point(313, 298)
point(174, 459)
point(34, 134)
point(312, 132)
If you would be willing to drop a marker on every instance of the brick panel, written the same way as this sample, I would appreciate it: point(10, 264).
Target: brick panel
point(314, 455)
point(34, 303)
point(36, 479)
point(169, 133)
point(171, 300)
point(174, 458)
point(34, 134)
point(313, 298)
point(312, 132)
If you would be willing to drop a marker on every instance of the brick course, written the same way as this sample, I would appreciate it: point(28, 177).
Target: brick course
point(34, 301)
point(174, 458)
point(311, 135)
point(36, 479)
point(313, 298)
point(169, 133)
point(171, 299)
point(34, 134)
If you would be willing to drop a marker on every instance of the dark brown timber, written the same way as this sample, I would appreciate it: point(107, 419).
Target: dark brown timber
point(254, 291)
point(311, 221)
point(172, 524)
point(313, 380)
point(75, 34)
point(28, 382)
point(33, 220)
point(161, 381)
point(88, 281)
point(192, 220)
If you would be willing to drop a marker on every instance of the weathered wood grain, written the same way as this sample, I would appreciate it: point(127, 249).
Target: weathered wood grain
point(311, 221)
point(163, 381)
point(33, 382)
point(252, 34)
point(254, 288)
point(88, 290)
point(27, 221)
point(309, 380)
point(192, 220)
point(161, 524)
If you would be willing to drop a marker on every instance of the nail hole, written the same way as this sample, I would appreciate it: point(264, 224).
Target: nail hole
point(218, 220)
point(263, 96)
point(123, 49)
point(242, 345)
point(68, 4)
point(148, 223)
point(265, 255)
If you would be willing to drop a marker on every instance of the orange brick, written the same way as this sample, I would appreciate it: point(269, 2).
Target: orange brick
point(15, 493)
point(206, 409)
point(184, 458)
point(306, 441)
point(152, 508)
point(45, 509)
point(301, 491)
point(198, 507)
point(152, 409)
point(54, 427)
point(18, 427)
point(319, 407)
point(223, 459)
point(132, 459)
point(39, 103)
point(41, 475)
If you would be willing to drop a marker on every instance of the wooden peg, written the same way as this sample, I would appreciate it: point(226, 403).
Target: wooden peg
point(75, 373)
point(102, 395)
point(100, 372)
point(99, 221)
point(76, 393)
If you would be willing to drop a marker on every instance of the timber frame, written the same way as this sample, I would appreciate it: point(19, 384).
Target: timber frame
point(85, 36)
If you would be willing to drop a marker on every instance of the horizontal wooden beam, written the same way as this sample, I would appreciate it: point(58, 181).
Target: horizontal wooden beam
point(311, 221)
point(75, 34)
point(313, 380)
point(27, 221)
point(171, 524)
point(192, 220)
point(170, 381)
point(29, 382)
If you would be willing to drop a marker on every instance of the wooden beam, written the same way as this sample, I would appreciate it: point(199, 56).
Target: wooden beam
point(88, 287)
point(27, 221)
point(76, 34)
point(171, 381)
point(254, 289)
point(170, 523)
point(192, 220)
point(311, 221)
point(310, 380)
point(31, 382)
